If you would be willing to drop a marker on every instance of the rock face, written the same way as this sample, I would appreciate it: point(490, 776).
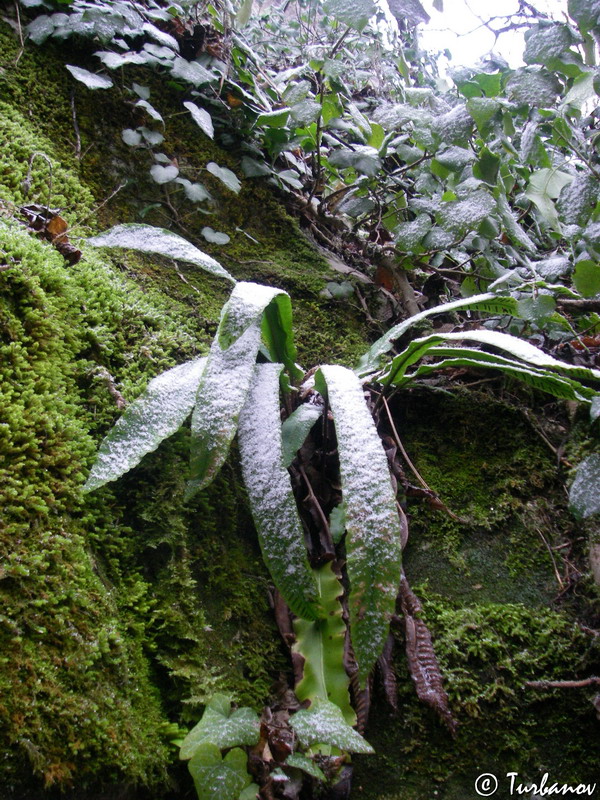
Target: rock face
point(122, 612)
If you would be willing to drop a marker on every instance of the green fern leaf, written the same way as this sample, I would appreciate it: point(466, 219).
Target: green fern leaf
point(488, 302)
point(147, 239)
point(372, 524)
point(321, 645)
point(155, 415)
point(226, 380)
point(274, 510)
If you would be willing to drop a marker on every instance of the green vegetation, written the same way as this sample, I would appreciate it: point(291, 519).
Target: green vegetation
point(124, 613)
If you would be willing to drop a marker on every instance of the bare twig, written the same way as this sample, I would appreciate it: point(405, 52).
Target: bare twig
point(76, 128)
point(583, 684)
point(20, 29)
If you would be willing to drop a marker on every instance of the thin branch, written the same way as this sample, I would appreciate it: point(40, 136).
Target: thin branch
point(583, 684)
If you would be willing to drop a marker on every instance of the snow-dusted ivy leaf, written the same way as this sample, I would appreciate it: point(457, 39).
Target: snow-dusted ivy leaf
point(115, 60)
point(373, 553)
point(227, 378)
point(196, 192)
point(161, 37)
point(409, 235)
point(514, 230)
point(156, 414)
point(254, 169)
point(483, 110)
point(143, 92)
point(324, 723)
point(595, 409)
point(90, 79)
point(362, 158)
point(243, 14)
point(154, 138)
point(218, 778)
point(148, 239)
point(305, 112)
point(150, 110)
point(545, 185)
point(581, 91)
point(202, 118)
point(409, 12)
point(584, 495)
point(290, 177)
point(163, 174)
point(488, 302)
point(272, 501)
point(274, 119)
point(225, 175)
point(163, 55)
point(533, 87)
point(296, 428)
point(191, 71)
point(131, 137)
point(545, 42)
point(298, 761)
point(215, 237)
point(355, 13)
point(40, 28)
point(462, 216)
point(222, 727)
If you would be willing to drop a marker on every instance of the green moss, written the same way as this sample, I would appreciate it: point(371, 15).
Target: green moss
point(502, 483)
point(487, 653)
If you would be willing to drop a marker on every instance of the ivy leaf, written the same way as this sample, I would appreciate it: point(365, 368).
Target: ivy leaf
point(215, 237)
point(225, 175)
point(296, 428)
point(337, 523)
point(531, 87)
point(131, 137)
point(150, 110)
point(409, 12)
point(222, 727)
point(274, 119)
point(162, 174)
point(584, 495)
point(90, 79)
point(587, 277)
point(217, 778)
point(372, 526)
point(355, 13)
point(159, 412)
point(321, 645)
point(202, 118)
point(272, 501)
point(115, 60)
point(195, 192)
point(161, 37)
point(298, 761)
point(148, 239)
point(324, 723)
point(243, 14)
point(191, 72)
point(544, 186)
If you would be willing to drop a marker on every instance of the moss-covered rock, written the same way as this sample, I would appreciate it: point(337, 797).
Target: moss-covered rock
point(122, 612)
